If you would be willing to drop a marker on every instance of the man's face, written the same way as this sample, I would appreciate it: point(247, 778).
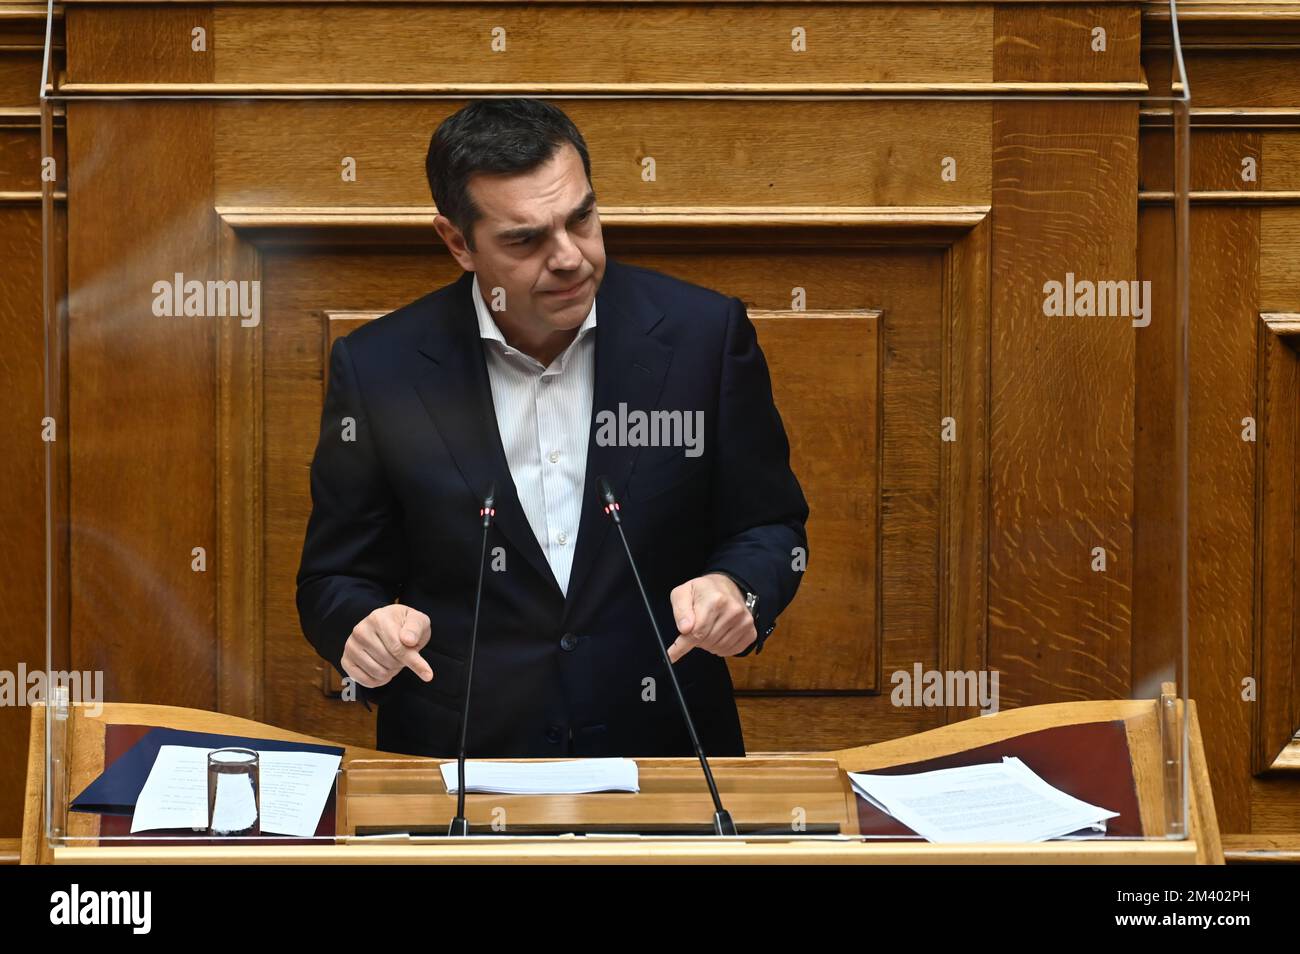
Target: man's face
point(538, 237)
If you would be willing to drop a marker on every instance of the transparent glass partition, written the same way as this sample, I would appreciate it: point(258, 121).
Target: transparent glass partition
point(965, 261)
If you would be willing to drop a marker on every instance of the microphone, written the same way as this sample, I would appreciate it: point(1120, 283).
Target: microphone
point(460, 824)
point(722, 823)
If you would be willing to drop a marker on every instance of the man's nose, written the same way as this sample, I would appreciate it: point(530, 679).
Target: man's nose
point(567, 257)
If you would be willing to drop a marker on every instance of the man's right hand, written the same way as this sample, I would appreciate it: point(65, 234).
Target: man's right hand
point(381, 644)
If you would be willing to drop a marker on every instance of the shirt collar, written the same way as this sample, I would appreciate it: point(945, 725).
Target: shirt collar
point(488, 330)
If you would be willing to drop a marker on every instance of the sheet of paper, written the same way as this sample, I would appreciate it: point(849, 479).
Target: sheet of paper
point(573, 776)
point(997, 801)
point(234, 807)
point(294, 789)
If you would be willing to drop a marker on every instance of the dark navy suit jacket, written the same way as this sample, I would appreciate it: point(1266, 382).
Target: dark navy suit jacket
point(395, 516)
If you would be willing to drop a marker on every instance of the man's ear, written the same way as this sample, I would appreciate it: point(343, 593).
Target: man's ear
point(455, 242)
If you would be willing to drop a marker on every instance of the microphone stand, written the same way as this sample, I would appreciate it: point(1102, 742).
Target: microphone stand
point(722, 822)
point(460, 824)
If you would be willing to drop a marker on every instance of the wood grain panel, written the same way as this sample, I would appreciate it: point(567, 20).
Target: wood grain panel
point(609, 43)
point(22, 474)
point(1221, 489)
point(1061, 478)
point(835, 452)
point(1280, 164)
point(1279, 258)
point(555, 43)
point(140, 44)
point(1055, 43)
point(1216, 160)
point(1223, 78)
point(25, 467)
point(142, 402)
point(20, 77)
point(729, 154)
point(20, 153)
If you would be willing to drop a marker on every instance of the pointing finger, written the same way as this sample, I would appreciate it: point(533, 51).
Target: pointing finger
point(417, 664)
point(680, 648)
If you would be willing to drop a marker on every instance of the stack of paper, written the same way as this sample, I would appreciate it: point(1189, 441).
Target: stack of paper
point(998, 801)
point(544, 778)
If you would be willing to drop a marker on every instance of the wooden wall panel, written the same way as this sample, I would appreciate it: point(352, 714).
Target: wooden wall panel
point(24, 467)
point(1277, 563)
point(142, 402)
point(835, 452)
point(740, 154)
point(1061, 478)
point(1222, 484)
point(653, 45)
point(1242, 62)
point(22, 474)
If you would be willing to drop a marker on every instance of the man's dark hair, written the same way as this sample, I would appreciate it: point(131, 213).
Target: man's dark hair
point(493, 136)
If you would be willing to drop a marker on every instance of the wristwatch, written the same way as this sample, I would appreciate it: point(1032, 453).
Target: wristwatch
point(751, 598)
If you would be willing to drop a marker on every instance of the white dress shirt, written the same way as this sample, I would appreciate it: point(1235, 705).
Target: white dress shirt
point(544, 417)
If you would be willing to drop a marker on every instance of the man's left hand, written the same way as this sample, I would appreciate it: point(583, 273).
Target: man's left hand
point(711, 615)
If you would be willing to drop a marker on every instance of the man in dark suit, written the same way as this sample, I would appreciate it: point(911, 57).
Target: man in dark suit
point(579, 367)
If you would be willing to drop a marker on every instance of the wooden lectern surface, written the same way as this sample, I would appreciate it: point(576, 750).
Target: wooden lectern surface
point(952, 744)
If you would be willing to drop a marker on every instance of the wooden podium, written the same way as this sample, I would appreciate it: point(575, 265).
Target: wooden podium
point(1079, 746)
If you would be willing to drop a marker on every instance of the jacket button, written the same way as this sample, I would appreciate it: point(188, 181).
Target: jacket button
point(568, 641)
point(552, 733)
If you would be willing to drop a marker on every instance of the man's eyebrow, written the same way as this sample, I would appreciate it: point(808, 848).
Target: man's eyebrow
point(528, 231)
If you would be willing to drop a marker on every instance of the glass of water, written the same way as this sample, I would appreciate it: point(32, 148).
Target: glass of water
point(234, 799)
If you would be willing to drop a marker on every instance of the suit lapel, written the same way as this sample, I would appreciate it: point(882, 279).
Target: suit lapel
point(458, 396)
point(631, 366)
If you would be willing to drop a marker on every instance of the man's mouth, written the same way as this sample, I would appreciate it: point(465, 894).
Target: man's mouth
point(569, 292)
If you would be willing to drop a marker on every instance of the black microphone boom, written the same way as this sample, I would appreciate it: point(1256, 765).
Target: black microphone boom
point(722, 823)
point(459, 824)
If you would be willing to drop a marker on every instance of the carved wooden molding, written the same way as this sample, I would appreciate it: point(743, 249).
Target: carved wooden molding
point(240, 505)
point(1247, 117)
point(28, 197)
point(420, 218)
point(1277, 544)
point(1226, 197)
point(1221, 24)
point(1284, 325)
point(458, 91)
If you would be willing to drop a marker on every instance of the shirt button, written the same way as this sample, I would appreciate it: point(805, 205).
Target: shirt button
point(553, 456)
point(563, 538)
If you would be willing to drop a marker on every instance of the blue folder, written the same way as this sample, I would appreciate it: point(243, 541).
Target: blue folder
point(116, 791)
